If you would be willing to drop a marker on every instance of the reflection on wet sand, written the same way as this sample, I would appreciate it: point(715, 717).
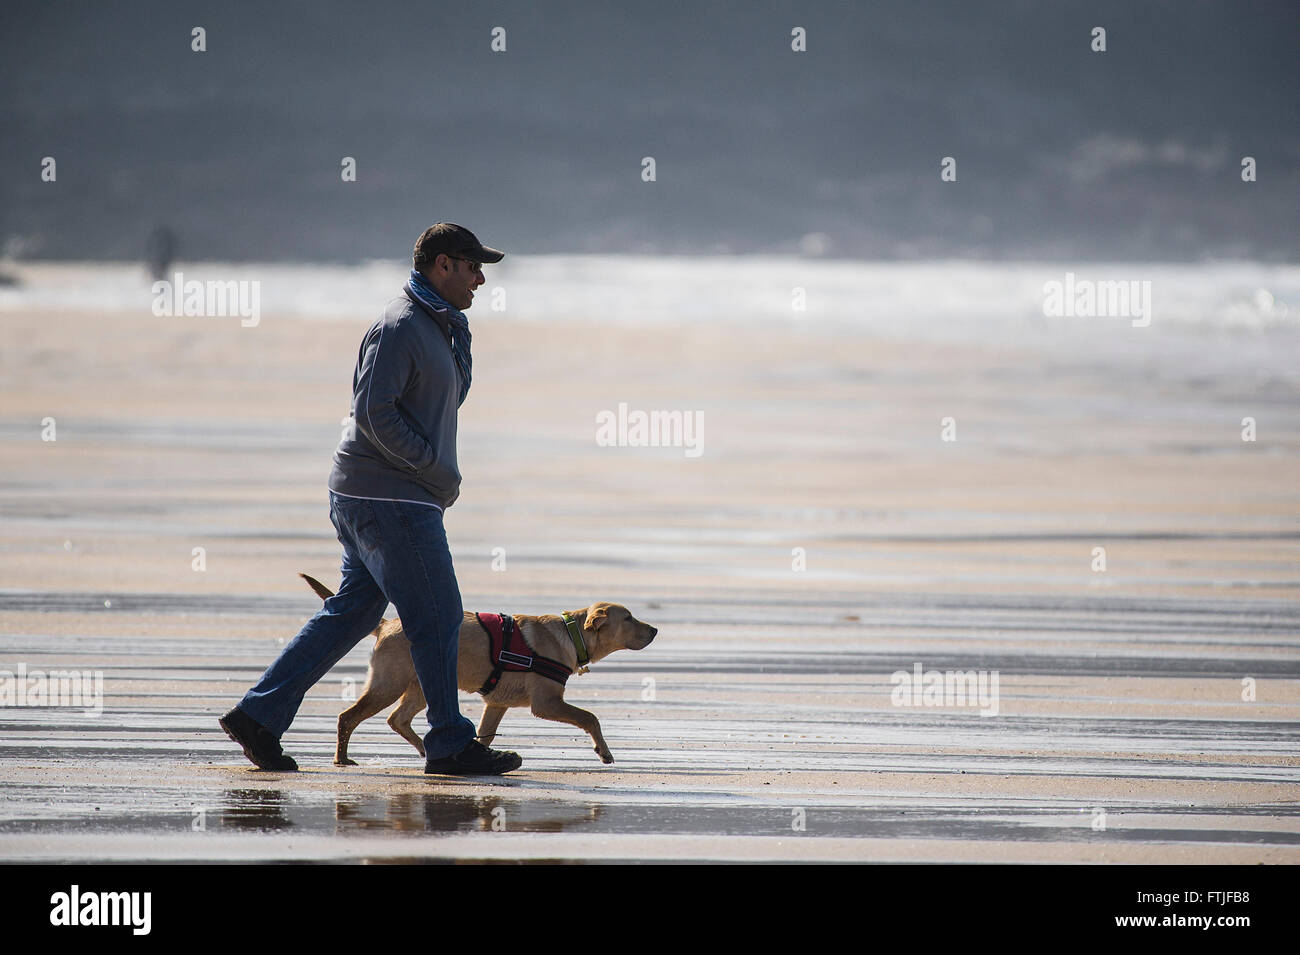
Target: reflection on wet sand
point(448, 812)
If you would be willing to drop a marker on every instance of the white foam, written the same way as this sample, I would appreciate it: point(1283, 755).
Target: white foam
point(945, 301)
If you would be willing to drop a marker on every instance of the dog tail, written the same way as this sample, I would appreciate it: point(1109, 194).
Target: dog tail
point(321, 590)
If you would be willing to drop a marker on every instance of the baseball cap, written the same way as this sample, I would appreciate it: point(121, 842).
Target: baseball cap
point(452, 239)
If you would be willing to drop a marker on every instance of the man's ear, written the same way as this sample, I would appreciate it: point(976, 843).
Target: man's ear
point(595, 617)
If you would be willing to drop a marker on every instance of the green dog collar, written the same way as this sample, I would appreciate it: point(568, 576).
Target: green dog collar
point(576, 635)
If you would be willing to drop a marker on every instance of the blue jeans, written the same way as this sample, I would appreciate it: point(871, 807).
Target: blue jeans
point(392, 551)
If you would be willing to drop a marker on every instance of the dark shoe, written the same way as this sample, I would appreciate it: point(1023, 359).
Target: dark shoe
point(475, 760)
point(262, 749)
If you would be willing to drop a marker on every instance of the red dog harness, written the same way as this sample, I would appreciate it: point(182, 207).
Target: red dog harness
point(509, 652)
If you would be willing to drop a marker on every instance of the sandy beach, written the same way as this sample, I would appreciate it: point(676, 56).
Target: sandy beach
point(826, 538)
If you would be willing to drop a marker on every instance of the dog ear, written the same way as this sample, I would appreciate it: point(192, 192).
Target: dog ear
point(596, 617)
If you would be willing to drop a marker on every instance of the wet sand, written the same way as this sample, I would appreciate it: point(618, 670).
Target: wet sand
point(1121, 734)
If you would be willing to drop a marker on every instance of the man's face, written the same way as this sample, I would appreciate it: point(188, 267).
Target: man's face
point(456, 279)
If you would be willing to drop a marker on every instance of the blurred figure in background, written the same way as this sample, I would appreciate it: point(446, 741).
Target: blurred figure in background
point(159, 252)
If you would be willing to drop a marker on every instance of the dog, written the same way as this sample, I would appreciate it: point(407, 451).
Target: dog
point(606, 627)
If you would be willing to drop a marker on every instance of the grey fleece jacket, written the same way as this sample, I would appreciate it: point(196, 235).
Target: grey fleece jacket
point(400, 443)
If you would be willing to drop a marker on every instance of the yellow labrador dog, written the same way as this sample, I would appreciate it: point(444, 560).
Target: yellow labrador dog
point(605, 627)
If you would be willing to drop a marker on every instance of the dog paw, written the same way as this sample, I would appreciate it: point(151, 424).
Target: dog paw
point(345, 762)
point(605, 756)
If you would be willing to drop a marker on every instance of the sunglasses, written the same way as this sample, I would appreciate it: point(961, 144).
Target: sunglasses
point(474, 266)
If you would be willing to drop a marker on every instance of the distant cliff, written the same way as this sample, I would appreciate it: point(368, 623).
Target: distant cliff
point(1060, 151)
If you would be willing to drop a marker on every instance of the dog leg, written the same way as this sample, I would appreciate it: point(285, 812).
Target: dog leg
point(551, 706)
point(390, 672)
point(487, 727)
point(372, 701)
point(400, 719)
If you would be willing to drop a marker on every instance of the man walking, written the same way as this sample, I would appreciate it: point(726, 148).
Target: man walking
point(394, 475)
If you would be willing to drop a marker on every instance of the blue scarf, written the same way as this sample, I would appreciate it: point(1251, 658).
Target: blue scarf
point(419, 287)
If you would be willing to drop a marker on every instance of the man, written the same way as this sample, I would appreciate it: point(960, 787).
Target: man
point(394, 474)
